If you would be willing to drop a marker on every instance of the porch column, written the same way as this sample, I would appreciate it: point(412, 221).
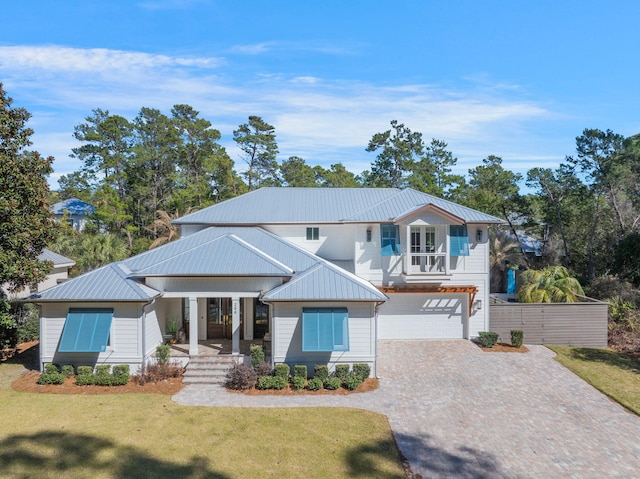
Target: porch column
point(193, 326)
point(235, 325)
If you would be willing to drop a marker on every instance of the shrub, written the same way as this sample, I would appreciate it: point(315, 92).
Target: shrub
point(240, 376)
point(51, 378)
point(265, 382)
point(121, 370)
point(516, 337)
point(351, 381)
point(332, 383)
point(300, 371)
point(154, 373)
point(362, 370)
point(279, 382)
point(84, 370)
point(321, 371)
point(314, 384)
point(162, 354)
point(297, 382)
point(263, 369)
point(28, 323)
point(67, 370)
point(120, 380)
point(257, 354)
point(282, 370)
point(103, 370)
point(488, 339)
point(51, 368)
point(85, 379)
point(341, 370)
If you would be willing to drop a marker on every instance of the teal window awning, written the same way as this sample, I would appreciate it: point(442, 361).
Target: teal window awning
point(86, 330)
point(459, 240)
point(390, 240)
point(325, 329)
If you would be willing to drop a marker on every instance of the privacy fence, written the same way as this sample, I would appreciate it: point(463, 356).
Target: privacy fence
point(575, 324)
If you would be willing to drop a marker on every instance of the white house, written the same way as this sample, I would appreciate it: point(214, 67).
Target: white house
point(327, 272)
point(74, 211)
point(59, 272)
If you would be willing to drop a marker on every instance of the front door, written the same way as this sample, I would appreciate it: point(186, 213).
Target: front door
point(260, 319)
point(219, 318)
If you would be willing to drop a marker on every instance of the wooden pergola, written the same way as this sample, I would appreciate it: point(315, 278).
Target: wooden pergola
point(433, 289)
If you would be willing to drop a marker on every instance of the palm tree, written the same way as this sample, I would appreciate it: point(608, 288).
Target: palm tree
point(505, 252)
point(552, 284)
point(163, 230)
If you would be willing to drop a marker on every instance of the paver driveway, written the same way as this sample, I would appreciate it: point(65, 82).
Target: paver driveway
point(457, 412)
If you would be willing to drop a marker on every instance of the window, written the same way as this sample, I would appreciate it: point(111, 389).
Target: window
point(325, 329)
point(86, 330)
point(313, 234)
point(459, 240)
point(423, 240)
point(390, 240)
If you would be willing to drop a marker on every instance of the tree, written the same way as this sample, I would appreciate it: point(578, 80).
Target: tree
point(26, 224)
point(553, 284)
point(432, 173)
point(165, 230)
point(337, 176)
point(399, 147)
point(257, 140)
point(504, 252)
point(296, 172)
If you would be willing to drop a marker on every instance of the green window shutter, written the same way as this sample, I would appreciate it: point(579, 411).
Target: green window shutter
point(459, 240)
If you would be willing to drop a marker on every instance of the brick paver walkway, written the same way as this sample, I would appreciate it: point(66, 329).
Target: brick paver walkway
point(457, 412)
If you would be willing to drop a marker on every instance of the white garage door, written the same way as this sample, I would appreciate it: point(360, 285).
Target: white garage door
point(422, 316)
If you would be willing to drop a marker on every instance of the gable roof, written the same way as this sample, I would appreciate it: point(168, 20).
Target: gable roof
point(326, 205)
point(74, 206)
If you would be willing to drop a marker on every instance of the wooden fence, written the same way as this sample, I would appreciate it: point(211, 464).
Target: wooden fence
point(574, 324)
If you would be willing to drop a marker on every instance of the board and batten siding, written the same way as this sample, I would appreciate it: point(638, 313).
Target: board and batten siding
point(124, 342)
point(287, 336)
point(561, 324)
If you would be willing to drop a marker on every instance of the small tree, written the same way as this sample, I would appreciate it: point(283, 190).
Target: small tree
point(553, 284)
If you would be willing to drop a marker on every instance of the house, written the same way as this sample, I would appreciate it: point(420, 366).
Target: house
point(75, 212)
point(326, 272)
point(59, 273)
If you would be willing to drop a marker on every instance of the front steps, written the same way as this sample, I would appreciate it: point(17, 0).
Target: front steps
point(209, 369)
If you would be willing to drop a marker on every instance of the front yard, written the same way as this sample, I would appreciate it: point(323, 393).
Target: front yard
point(148, 436)
point(615, 374)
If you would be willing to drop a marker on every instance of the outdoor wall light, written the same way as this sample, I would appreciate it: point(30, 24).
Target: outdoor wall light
point(368, 235)
point(478, 304)
point(478, 235)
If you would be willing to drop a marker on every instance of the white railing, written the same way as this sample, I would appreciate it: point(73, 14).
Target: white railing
point(427, 263)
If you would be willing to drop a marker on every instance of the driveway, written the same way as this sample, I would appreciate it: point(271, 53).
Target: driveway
point(457, 412)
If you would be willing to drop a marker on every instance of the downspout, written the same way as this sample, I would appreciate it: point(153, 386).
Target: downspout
point(375, 339)
point(143, 332)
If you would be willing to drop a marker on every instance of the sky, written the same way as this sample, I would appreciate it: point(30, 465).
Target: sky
point(516, 79)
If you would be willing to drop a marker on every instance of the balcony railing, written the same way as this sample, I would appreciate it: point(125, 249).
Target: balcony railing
point(427, 263)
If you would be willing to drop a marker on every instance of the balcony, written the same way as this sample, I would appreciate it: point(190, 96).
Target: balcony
point(426, 263)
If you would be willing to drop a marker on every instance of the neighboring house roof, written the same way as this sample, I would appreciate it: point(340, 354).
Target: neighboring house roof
point(530, 244)
point(74, 206)
point(326, 205)
point(58, 260)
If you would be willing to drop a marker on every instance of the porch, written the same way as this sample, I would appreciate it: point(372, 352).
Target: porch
point(214, 347)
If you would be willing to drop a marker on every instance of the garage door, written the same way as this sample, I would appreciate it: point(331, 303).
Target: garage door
point(422, 316)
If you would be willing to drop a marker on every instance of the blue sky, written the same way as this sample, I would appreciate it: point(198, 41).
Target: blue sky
point(510, 78)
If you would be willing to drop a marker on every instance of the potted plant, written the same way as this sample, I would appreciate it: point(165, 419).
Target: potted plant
point(171, 329)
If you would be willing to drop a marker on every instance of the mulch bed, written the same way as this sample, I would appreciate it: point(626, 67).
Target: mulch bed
point(505, 348)
point(369, 384)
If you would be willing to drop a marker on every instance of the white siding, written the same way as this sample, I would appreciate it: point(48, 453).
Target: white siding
point(287, 336)
point(124, 343)
point(335, 242)
point(212, 287)
point(151, 327)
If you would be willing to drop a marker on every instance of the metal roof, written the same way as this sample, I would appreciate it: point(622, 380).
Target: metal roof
point(326, 205)
point(325, 282)
point(57, 259)
point(74, 206)
point(109, 283)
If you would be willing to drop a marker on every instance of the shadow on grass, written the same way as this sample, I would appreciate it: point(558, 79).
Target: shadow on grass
point(423, 458)
point(61, 454)
point(611, 358)
point(29, 357)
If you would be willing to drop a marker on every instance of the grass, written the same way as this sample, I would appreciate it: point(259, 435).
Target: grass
point(615, 374)
point(148, 436)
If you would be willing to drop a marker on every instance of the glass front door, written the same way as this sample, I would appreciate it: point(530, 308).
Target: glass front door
point(219, 318)
point(260, 319)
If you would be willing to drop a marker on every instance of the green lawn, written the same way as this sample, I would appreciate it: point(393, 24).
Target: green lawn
point(615, 374)
point(148, 436)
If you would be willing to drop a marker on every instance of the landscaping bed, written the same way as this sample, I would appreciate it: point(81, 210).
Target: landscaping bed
point(369, 384)
point(504, 348)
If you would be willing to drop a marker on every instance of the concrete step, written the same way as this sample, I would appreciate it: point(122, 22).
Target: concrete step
point(209, 369)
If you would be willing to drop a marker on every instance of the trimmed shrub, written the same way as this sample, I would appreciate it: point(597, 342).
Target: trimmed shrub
point(240, 376)
point(351, 381)
point(120, 380)
point(341, 370)
point(263, 369)
point(332, 383)
point(314, 384)
point(265, 382)
point(488, 339)
point(85, 380)
point(282, 370)
point(257, 354)
point(84, 370)
point(297, 382)
point(67, 370)
point(51, 378)
point(321, 371)
point(517, 336)
point(121, 370)
point(362, 370)
point(103, 370)
point(162, 353)
point(279, 382)
point(51, 368)
point(300, 371)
